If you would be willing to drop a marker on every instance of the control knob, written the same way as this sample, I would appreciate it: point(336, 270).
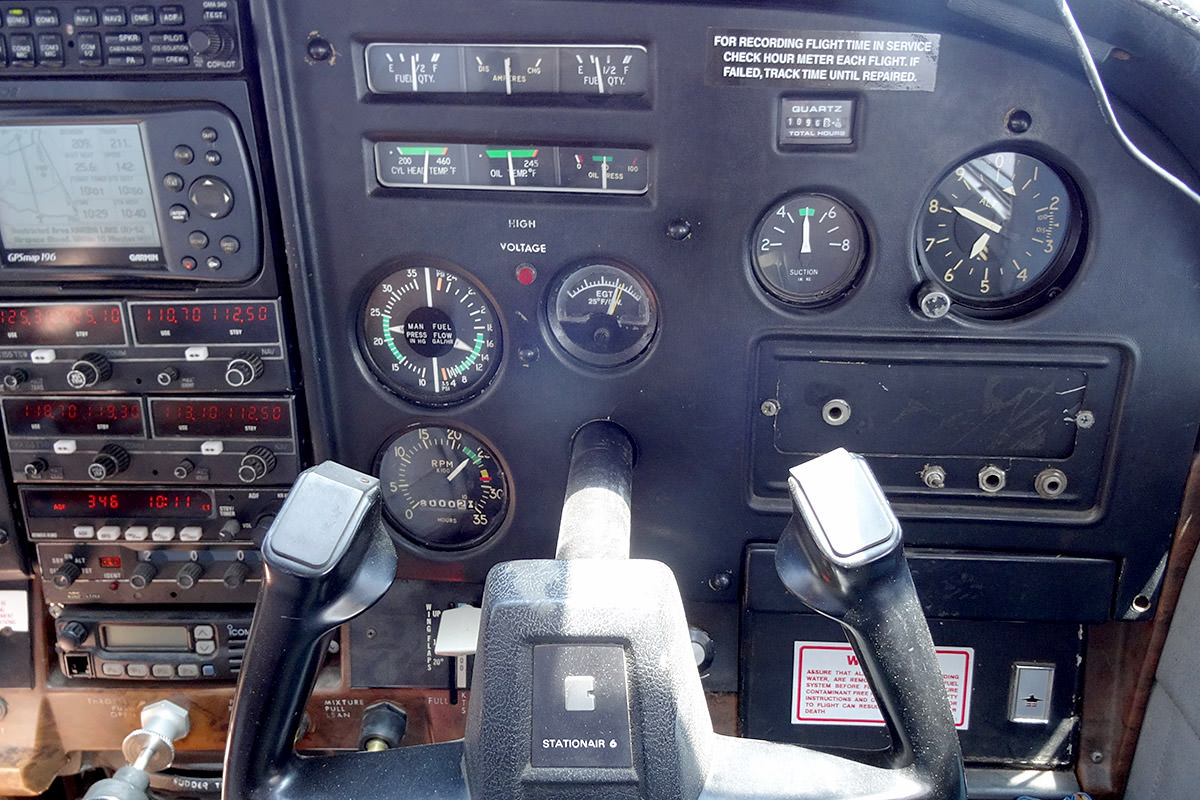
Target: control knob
point(211, 41)
point(188, 574)
point(89, 370)
point(257, 463)
point(143, 573)
point(36, 468)
point(67, 574)
point(72, 635)
point(166, 376)
point(15, 378)
point(235, 576)
point(111, 460)
point(243, 369)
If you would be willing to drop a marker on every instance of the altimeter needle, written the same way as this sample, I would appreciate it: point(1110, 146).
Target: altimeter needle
point(980, 245)
point(978, 219)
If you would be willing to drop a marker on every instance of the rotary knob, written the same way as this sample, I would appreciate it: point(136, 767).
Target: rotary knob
point(67, 574)
point(111, 460)
point(188, 574)
point(72, 635)
point(89, 370)
point(236, 575)
point(36, 468)
point(143, 573)
point(257, 463)
point(243, 369)
point(15, 378)
point(211, 41)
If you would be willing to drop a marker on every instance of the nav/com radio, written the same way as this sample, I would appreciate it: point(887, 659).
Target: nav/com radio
point(148, 193)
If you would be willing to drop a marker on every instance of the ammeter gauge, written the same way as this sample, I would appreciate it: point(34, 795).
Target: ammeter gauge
point(808, 249)
point(601, 313)
point(442, 487)
point(999, 231)
point(431, 335)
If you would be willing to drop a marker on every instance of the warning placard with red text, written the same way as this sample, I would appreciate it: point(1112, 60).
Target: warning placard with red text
point(829, 688)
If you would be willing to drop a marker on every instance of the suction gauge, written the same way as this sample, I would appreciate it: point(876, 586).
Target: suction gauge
point(442, 487)
point(431, 335)
point(602, 314)
point(999, 230)
point(808, 249)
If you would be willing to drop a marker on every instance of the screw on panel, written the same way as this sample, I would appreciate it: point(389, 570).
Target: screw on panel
point(770, 408)
point(992, 479)
point(679, 229)
point(1050, 483)
point(836, 412)
point(1018, 120)
point(933, 302)
point(1085, 419)
point(720, 582)
point(934, 476)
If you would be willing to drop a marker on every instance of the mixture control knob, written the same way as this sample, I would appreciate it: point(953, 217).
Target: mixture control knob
point(166, 376)
point(72, 635)
point(36, 468)
point(15, 378)
point(243, 370)
point(111, 460)
point(143, 573)
point(67, 574)
point(211, 41)
point(89, 370)
point(235, 576)
point(188, 574)
point(257, 463)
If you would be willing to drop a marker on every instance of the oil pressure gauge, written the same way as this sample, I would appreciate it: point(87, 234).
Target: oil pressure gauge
point(602, 313)
point(999, 231)
point(808, 249)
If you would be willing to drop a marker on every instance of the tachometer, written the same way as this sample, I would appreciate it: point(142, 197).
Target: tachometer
point(431, 335)
point(999, 229)
point(443, 488)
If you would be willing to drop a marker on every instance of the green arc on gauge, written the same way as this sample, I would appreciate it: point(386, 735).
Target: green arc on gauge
point(387, 338)
point(530, 153)
point(423, 151)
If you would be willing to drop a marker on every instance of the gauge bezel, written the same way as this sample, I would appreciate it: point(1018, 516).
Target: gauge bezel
point(581, 355)
point(1053, 280)
point(427, 400)
point(835, 292)
point(402, 533)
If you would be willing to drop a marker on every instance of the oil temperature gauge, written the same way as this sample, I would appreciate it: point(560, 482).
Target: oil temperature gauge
point(602, 314)
point(808, 249)
point(442, 487)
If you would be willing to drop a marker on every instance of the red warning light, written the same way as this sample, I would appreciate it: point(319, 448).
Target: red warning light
point(110, 562)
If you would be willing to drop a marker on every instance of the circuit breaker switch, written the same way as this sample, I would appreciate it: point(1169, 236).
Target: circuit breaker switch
point(1029, 694)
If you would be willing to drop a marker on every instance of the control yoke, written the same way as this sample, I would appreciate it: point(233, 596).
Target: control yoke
point(584, 683)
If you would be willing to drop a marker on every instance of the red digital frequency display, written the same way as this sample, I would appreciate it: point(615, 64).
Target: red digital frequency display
point(205, 323)
point(61, 324)
point(118, 503)
point(271, 419)
point(59, 416)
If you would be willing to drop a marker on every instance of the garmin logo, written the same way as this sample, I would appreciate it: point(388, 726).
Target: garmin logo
point(142, 258)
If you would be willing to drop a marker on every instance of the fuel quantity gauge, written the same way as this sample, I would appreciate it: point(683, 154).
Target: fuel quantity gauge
point(602, 314)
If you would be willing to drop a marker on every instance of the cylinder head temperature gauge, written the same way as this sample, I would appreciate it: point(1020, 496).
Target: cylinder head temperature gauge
point(431, 335)
point(808, 249)
point(442, 487)
point(601, 313)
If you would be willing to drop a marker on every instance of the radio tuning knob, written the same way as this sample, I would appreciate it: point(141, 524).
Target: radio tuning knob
point(235, 576)
point(143, 573)
point(211, 41)
point(89, 370)
point(166, 376)
point(15, 378)
point(257, 463)
point(243, 369)
point(188, 574)
point(67, 574)
point(111, 460)
point(36, 468)
point(229, 530)
point(183, 469)
point(72, 635)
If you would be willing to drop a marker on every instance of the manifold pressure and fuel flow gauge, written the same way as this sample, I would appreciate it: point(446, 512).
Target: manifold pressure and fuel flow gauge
point(443, 487)
point(1000, 232)
point(431, 335)
point(808, 249)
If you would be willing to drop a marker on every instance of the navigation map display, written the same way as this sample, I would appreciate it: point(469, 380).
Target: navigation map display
point(76, 195)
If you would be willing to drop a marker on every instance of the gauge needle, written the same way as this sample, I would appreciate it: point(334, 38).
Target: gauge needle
point(978, 219)
point(612, 307)
point(599, 77)
point(604, 174)
point(414, 72)
point(461, 466)
point(512, 172)
point(806, 245)
point(980, 245)
point(508, 76)
point(426, 171)
point(459, 344)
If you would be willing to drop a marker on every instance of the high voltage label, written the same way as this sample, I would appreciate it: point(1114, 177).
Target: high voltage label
point(889, 61)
